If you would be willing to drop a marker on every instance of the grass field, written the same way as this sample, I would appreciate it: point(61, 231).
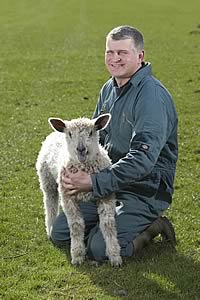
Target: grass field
point(52, 64)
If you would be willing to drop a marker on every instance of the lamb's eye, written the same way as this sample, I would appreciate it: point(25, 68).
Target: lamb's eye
point(70, 134)
point(90, 134)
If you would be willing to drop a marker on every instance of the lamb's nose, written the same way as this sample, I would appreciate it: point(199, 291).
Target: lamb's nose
point(81, 148)
point(81, 152)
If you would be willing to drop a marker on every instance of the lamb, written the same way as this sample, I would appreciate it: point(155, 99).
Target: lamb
point(75, 145)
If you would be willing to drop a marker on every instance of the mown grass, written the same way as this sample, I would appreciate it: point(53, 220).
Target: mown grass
point(52, 64)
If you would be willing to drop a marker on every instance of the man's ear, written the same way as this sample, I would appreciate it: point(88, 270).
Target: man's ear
point(102, 121)
point(57, 124)
point(141, 56)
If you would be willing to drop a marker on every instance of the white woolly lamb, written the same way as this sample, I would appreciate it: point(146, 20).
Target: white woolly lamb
point(75, 145)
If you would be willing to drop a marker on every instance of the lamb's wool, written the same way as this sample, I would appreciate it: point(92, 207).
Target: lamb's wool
point(75, 145)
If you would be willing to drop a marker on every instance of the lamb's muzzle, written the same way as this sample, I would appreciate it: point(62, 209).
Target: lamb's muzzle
point(81, 152)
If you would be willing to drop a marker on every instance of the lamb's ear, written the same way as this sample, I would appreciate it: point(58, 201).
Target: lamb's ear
point(57, 124)
point(102, 121)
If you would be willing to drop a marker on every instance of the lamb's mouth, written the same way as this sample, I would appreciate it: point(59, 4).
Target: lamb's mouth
point(82, 156)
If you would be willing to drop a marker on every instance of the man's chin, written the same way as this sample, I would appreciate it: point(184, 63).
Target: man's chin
point(117, 74)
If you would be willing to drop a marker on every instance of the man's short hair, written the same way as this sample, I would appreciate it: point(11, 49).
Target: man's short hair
point(127, 32)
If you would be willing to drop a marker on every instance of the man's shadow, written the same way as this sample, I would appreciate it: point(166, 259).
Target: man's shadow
point(159, 272)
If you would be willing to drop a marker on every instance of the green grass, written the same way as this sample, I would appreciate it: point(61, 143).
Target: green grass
point(52, 64)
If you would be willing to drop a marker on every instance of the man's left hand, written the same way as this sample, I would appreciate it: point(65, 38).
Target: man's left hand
point(74, 183)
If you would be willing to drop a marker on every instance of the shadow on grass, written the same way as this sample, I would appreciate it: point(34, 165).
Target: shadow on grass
point(158, 273)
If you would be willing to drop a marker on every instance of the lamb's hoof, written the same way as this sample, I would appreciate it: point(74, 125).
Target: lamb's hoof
point(77, 261)
point(116, 261)
point(48, 234)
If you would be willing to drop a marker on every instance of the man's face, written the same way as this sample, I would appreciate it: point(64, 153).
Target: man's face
point(122, 59)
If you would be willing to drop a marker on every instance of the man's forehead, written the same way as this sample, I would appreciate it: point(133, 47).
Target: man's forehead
point(119, 44)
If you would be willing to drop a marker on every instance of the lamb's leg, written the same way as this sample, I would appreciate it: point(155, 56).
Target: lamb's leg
point(49, 188)
point(77, 228)
point(106, 210)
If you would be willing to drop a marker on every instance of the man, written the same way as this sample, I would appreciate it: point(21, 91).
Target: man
point(141, 140)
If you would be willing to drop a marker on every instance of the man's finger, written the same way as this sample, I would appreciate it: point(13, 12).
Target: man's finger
point(66, 180)
point(67, 186)
point(71, 192)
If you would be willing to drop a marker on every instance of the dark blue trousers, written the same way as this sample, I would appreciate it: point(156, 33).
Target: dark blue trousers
point(132, 217)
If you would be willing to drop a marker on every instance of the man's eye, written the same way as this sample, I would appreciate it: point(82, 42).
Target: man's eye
point(122, 52)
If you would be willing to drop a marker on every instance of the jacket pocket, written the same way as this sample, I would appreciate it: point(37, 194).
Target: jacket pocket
point(148, 186)
point(166, 187)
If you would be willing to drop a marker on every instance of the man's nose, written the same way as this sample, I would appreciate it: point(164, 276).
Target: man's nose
point(116, 57)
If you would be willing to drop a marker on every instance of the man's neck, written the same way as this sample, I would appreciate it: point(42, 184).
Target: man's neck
point(121, 81)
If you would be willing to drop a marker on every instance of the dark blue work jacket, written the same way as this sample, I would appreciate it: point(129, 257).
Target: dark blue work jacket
point(141, 138)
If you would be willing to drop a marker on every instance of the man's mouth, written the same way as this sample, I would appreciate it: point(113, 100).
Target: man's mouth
point(116, 66)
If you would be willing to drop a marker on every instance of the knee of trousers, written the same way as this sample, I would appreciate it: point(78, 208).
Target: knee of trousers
point(60, 234)
point(97, 248)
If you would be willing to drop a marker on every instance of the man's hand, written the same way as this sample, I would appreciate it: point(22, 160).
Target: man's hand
point(74, 183)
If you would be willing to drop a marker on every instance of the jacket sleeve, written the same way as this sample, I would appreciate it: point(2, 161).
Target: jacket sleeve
point(99, 110)
point(150, 132)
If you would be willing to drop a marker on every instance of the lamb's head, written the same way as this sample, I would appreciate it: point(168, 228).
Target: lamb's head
point(82, 135)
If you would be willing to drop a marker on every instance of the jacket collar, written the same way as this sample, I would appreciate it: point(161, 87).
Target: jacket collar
point(140, 74)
